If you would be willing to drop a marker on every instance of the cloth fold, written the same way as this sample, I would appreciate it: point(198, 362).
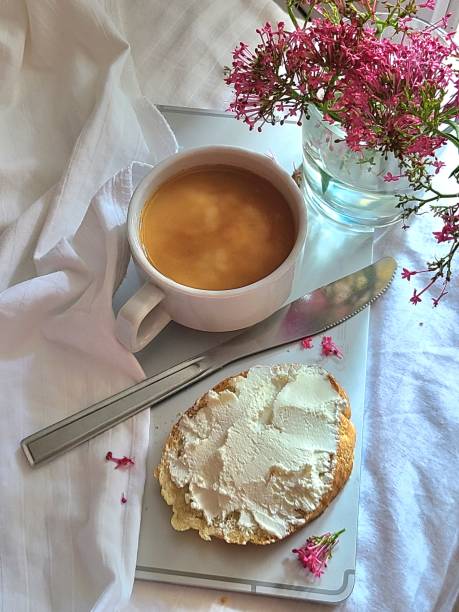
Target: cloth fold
point(59, 353)
point(72, 117)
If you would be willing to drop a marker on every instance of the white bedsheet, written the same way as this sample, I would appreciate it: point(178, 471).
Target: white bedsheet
point(74, 110)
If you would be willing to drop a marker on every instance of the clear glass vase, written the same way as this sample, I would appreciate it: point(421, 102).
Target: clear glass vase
point(346, 186)
point(350, 187)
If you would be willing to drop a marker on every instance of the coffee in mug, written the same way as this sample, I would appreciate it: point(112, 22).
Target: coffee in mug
point(217, 227)
point(217, 232)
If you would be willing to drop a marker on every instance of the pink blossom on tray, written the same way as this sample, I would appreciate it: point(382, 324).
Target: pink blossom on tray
point(317, 551)
point(330, 348)
point(306, 343)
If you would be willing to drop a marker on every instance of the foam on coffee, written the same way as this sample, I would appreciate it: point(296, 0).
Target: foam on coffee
point(217, 227)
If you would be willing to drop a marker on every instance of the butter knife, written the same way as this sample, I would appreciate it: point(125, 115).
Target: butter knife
point(311, 314)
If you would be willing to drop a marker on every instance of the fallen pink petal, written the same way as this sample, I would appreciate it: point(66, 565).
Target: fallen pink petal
point(330, 348)
point(125, 462)
point(306, 343)
point(317, 551)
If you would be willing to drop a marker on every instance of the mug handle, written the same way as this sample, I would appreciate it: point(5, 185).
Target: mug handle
point(141, 318)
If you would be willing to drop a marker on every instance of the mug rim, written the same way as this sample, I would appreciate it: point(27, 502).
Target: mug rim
point(138, 202)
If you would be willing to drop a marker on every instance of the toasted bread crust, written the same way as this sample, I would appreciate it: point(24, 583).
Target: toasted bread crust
point(184, 517)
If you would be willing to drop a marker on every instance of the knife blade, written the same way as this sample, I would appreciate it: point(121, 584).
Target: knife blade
point(311, 314)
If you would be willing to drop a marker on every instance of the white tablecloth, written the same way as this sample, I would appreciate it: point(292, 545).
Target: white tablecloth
point(58, 127)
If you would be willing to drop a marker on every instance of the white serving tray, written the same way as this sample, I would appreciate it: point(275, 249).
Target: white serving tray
point(183, 558)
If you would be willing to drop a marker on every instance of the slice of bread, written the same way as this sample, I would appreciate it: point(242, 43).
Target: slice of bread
point(228, 525)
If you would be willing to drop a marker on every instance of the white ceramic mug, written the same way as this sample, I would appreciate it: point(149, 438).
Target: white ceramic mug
point(161, 299)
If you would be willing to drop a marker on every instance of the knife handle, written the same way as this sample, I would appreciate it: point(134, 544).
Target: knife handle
point(64, 435)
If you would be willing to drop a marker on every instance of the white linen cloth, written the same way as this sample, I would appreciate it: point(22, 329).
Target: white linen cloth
point(71, 116)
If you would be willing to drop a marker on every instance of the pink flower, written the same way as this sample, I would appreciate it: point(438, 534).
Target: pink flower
point(425, 146)
point(407, 274)
point(389, 177)
point(376, 86)
point(406, 123)
point(415, 299)
point(306, 343)
point(438, 165)
point(330, 348)
point(449, 231)
point(390, 95)
point(317, 551)
point(428, 4)
point(443, 23)
point(442, 236)
point(404, 23)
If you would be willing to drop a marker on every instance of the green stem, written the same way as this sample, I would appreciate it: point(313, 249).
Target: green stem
point(320, 106)
point(452, 111)
point(454, 172)
point(442, 195)
point(450, 259)
point(308, 14)
point(449, 137)
point(426, 201)
point(292, 14)
point(387, 22)
point(439, 196)
point(453, 125)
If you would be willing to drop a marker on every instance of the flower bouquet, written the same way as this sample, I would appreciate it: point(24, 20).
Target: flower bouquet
point(390, 87)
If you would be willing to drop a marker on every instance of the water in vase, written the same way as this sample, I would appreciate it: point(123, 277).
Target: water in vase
point(347, 186)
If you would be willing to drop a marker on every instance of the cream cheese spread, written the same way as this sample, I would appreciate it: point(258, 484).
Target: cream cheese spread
point(262, 452)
